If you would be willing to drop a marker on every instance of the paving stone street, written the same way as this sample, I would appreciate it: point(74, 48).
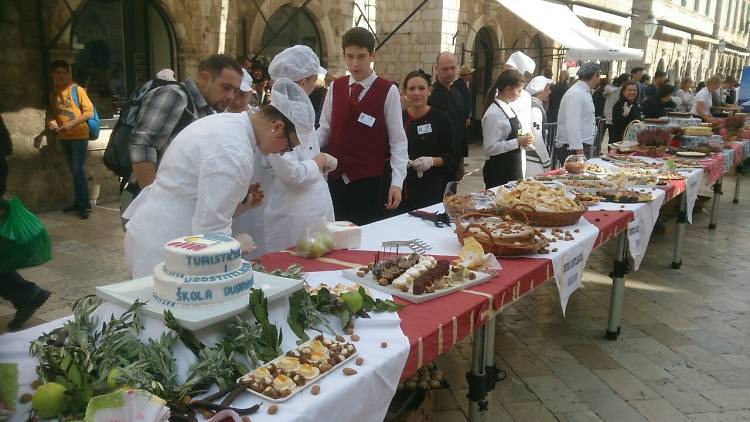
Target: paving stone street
point(684, 352)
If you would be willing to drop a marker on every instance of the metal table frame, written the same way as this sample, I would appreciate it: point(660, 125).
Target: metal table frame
point(484, 373)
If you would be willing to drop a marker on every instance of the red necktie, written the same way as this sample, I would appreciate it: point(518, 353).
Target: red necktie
point(356, 89)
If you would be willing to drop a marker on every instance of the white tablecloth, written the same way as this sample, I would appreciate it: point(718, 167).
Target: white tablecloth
point(361, 397)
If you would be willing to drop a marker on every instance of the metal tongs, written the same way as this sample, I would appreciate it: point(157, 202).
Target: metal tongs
point(439, 219)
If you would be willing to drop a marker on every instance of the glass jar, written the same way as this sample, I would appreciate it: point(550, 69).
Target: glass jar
point(575, 164)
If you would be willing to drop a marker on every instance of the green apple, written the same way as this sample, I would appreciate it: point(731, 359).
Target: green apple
point(49, 400)
point(317, 249)
point(112, 378)
point(328, 242)
point(353, 301)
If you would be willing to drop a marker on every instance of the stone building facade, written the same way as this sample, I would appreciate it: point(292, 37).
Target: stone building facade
point(116, 45)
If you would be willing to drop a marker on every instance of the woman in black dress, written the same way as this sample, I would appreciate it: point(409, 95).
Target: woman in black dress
point(432, 160)
point(625, 110)
point(502, 140)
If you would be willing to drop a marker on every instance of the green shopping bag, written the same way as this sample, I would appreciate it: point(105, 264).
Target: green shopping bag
point(24, 242)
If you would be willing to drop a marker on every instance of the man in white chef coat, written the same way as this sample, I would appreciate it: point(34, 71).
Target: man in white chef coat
point(576, 123)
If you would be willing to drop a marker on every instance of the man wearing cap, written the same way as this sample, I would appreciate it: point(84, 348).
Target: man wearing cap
point(297, 194)
point(446, 97)
point(463, 86)
point(576, 123)
point(241, 101)
point(205, 176)
point(537, 157)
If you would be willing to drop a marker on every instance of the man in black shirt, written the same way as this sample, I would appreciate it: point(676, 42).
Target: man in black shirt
point(659, 104)
point(445, 97)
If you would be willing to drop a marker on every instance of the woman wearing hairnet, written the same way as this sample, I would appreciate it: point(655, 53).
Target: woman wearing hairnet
point(296, 192)
point(204, 178)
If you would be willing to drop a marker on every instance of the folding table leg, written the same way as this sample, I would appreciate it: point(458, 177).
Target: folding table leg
point(737, 183)
point(679, 240)
point(620, 268)
point(715, 205)
point(478, 404)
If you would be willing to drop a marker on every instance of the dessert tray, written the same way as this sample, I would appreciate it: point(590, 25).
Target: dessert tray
point(624, 196)
point(597, 169)
point(195, 317)
point(282, 378)
point(415, 277)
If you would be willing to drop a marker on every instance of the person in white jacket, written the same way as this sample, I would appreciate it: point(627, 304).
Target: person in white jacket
point(204, 177)
point(296, 192)
point(576, 122)
point(537, 156)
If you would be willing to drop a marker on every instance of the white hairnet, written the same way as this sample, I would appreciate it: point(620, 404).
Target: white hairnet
point(521, 62)
point(293, 102)
point(247, 82)
point(295, 63)
point(537, 84)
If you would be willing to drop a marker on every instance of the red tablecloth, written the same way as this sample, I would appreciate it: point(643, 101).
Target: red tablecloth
point(434, 327)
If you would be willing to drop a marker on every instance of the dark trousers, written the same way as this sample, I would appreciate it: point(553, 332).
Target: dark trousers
point(360, 202)
point(17, 290)
point(563, 153)
point(75, 157)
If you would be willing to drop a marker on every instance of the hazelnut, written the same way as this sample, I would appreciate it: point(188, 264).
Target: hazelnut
point(360, 273)
point(349, 371)
point(315, 390)
point(576, 231)
point(36, 384)
point(339, 338)
point(383, 345)
point(383, 281)
point(472, 276)
point(354, 337)
point(359, 361)
point(325, 367)
point(273, 409)
point(208, 414)
point(365, 269)
point(186, 400)
point(349, 330)
point(245, 419)
point(554, 249)
point(25, 398)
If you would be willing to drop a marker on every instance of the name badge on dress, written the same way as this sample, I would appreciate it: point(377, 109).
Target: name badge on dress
point(366, 119)
point(425, 128)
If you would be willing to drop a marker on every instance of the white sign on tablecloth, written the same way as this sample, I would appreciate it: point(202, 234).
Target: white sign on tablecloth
point(361, 397)
point(639, 230)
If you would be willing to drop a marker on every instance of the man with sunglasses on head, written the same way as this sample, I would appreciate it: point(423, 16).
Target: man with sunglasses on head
point(169, 109)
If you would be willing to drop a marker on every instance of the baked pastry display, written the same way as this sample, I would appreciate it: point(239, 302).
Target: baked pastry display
point(698, 131)
point(481, 202)
point(286, 375)
point(597, 169)
point(502, 236)
point(542, 205)
point(625, 196)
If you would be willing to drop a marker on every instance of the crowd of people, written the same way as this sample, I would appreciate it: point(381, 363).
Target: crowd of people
point(263, 152)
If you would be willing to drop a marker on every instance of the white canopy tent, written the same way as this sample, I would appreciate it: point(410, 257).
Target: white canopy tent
point(562, 25)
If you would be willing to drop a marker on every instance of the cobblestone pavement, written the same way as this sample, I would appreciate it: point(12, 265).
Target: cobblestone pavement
point(684, 352)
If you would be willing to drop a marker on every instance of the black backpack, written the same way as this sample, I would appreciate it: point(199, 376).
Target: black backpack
point(117, 154)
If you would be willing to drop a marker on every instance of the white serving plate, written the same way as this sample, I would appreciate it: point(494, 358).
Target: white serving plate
point(195, 317)
point(691, 154)
point(369, 280)
point(309, 382)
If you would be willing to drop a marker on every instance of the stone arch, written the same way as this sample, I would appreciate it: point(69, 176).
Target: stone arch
point(485, 54)
point(329, 44)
